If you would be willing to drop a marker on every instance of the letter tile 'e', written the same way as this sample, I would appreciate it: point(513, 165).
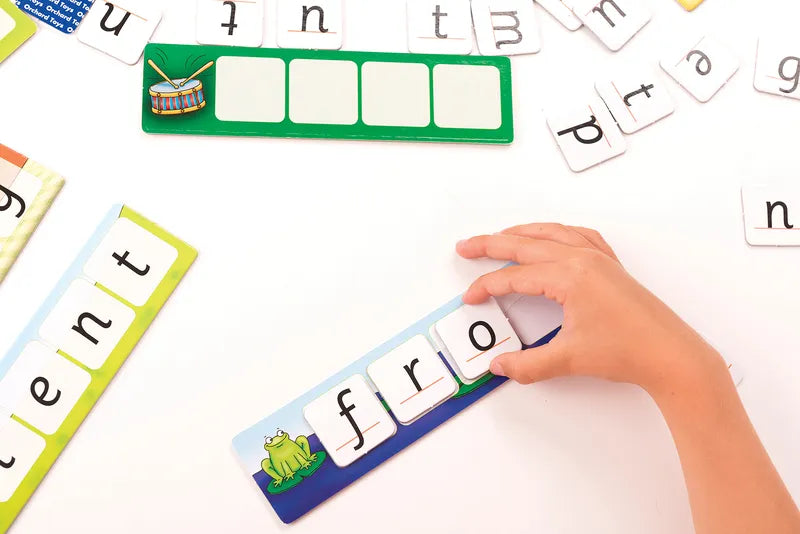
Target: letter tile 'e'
point(701, 64)
point(772, 215)
point(230, 22)
point(472, 336)
point(86, 323)
point(19, 450)
point(121, 28)
point(15, 201)
point(315, 24)
point(439, 26)
point(349, 420)
point(413, 379)
point(778, 66)
point(130, 261)
point(614, 22)
point(505, 27)
point(586, 133)
point(636, 98)
point(42, 387)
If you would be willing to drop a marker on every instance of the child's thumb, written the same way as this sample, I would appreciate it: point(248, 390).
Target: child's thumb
point(532, 365)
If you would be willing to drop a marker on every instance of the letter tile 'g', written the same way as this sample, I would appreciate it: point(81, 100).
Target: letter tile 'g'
point(349, 420)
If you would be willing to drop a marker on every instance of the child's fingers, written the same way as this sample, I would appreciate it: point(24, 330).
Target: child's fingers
point(511, 248)
point(548, 279)
point(552, 232)
point(533, 365)
point(597, 240)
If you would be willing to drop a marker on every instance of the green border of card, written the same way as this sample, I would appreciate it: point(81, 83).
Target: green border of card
point(100, 378)
point(23, 30)
point(180, 60)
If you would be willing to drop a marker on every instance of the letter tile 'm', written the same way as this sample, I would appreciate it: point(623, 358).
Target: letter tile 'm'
point(701, 64)
point(614, 22)
point(585, 133)
point(349, 420)
point(315, 24)
point(636, 98)
point(130, 261)
point(87, 323)
point(121, 28)
point(230, 22)
point(42, 387)
point(439, 27)
point(472, 336)
point(778, 66)
point(15, 200)
point(771, 215)
point(505, 27)
point(19, 450)
point(561, 13)
point(413, 379)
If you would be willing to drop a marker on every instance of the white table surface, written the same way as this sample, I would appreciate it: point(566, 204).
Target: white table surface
point(313, 252)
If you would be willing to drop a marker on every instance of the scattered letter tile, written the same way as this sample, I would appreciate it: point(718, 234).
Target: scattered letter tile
point(586, 134)
point(563, 14)
point(472, 336)
point(771, 215)
point(778, 66)
point(304, 24)
point(702, 65)
point(636, 98)
point(614, 22)
point(130, 261)
point(15, 201)
point(42, 387)
point(505, 27)
point(349, 420)
point(412, 379)
point(120, 29)
point(439, 27)
point(87, 323)
point(230, 22)
point(19, 450)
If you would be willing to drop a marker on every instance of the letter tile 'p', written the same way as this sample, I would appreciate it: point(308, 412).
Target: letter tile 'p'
point(349, 420)
point(586, 133)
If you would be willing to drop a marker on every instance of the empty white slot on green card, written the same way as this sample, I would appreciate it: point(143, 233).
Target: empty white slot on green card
point(323, 91)
point(395, 94)
point(251, 89)
point(467, 96)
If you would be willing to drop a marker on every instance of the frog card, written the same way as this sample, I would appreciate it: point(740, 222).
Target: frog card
point(15, 28)
point(357, 419)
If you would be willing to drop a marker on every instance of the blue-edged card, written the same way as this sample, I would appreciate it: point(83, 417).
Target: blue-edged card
point(63, 15)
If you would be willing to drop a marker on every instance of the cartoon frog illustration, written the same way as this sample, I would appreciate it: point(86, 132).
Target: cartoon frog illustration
point(288, 458)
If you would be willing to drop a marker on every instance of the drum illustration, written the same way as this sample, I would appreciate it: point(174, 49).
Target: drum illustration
point(166, 100)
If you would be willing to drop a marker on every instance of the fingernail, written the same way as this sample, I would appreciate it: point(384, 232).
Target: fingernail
point(496, 369)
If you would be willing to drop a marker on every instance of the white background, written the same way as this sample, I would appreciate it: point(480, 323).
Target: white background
point(313, 252)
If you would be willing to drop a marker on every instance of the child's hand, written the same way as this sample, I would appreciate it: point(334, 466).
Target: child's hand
point(613, 327)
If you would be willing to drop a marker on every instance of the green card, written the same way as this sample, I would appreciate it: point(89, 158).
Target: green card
point(220, 90)
point(15, 28)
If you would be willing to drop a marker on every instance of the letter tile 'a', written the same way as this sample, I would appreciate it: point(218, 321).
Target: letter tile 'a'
point(130, 261)
point(700, 63)
point(585, 132)
point(349, 420)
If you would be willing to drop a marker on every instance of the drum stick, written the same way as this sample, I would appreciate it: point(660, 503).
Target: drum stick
point(173, 84)
point(201, 70)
